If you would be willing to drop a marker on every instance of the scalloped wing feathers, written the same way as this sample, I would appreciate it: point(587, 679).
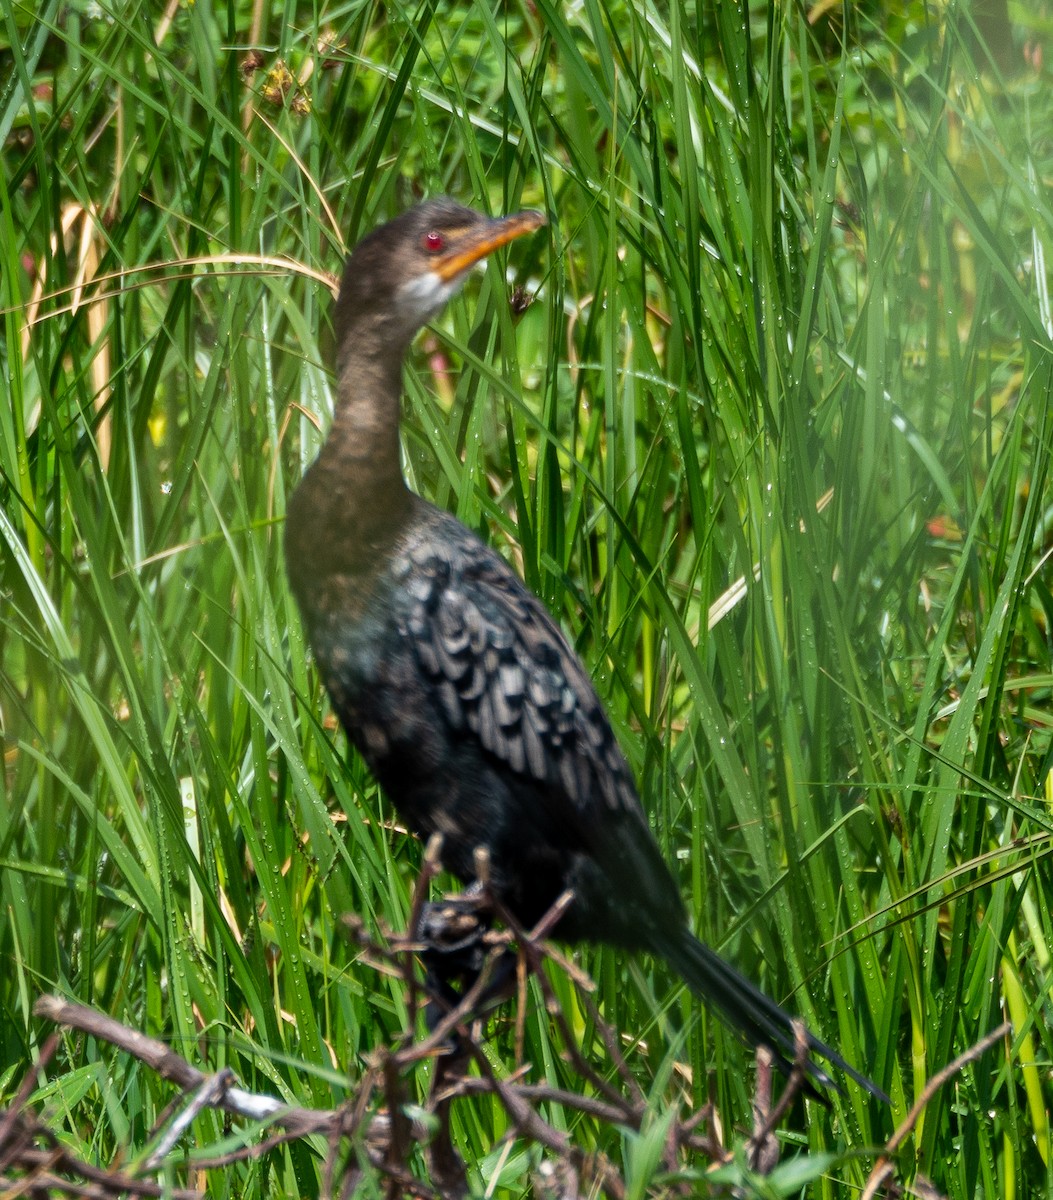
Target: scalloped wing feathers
point(504, 671)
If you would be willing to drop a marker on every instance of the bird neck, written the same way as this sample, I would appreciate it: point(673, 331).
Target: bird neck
point(361, 454)
point(353, 501)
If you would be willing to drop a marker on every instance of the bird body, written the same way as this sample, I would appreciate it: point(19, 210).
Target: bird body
point(452, 680)
point(470, 708)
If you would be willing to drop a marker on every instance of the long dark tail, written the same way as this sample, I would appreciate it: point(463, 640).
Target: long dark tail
point(746, 1009)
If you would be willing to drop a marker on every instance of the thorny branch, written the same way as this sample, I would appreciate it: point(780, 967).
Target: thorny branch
point(372, 1131)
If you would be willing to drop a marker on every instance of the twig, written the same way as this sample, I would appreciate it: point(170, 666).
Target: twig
point(430, 867)
point(209, 1095)
point(763, 1149)
point(386, 1139)
point(542, 1093)
point(169, 1065)
point(534, 953)
point(883, 1167)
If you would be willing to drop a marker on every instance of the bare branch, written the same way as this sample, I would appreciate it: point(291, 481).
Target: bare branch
point(373, 1131)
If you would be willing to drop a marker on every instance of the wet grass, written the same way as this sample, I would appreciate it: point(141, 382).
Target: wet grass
point(771, 439)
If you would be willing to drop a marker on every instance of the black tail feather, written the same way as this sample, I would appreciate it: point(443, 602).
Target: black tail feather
point(752, 1014)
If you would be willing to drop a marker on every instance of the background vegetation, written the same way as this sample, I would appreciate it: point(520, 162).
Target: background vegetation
point(788, 354)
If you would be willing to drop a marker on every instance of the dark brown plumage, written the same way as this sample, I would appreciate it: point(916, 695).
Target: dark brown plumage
point(451, 679)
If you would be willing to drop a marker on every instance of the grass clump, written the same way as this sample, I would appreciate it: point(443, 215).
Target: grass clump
point(772, 440)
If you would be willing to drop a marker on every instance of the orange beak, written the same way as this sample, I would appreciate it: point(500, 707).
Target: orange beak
point(485, 239)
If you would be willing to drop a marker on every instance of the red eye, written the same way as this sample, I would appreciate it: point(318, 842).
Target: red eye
point(433, 242)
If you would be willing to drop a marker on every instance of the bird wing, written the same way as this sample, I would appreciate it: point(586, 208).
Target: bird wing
point(504, 672)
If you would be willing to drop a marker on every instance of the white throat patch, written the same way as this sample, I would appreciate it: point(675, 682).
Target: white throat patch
point(427, 293)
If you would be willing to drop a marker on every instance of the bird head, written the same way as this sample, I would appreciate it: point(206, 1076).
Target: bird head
point(401, 274)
